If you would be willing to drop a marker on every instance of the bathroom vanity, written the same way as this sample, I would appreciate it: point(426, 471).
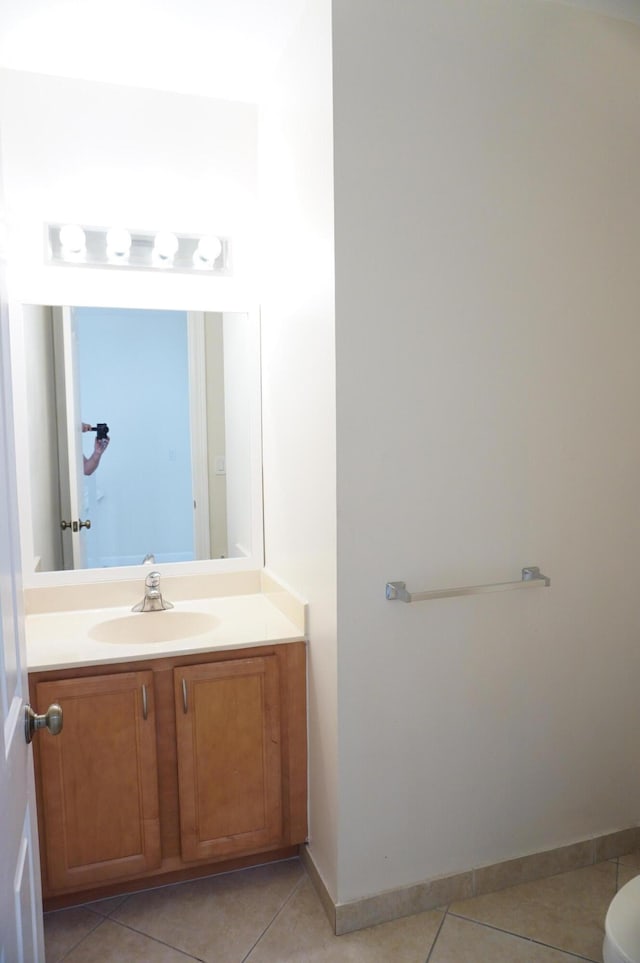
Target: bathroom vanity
point(178, 758)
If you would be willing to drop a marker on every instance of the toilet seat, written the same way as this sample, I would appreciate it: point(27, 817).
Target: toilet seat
point(622, 925)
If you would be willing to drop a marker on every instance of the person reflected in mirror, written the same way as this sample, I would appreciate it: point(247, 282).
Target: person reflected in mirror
point(100, 445)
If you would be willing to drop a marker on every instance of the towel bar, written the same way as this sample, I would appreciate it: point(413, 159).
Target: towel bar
point(532, 577)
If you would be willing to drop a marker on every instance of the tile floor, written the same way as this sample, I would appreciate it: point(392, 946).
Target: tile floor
point(271, 914)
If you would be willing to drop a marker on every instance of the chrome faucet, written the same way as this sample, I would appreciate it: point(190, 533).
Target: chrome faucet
point(152, 601)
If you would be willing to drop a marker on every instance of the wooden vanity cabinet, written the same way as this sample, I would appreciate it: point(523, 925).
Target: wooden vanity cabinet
point(100, 802)
point(170, 768)
point(229, 757)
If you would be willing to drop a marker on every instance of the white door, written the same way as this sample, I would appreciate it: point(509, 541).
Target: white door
point(77, 499)
point(72, 490)
point(21, 939)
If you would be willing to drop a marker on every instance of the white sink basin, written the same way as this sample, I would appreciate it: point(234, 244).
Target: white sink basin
point(167, 626)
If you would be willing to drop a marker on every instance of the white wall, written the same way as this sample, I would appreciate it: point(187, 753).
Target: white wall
point(487, 228)
point(625, 9)
point(101, 154)
point(298, 350)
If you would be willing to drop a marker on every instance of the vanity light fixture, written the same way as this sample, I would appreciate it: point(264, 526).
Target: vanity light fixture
point(165, 248)
point(118, 242)
point(121, 247)
point(207, 251)
point(73, 241)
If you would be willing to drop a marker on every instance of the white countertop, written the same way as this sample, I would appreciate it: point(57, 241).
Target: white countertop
point(60, 640)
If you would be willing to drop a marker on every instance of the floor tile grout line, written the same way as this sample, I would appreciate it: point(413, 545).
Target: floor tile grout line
point(101, 918)
point(106, 916)
point(435, 939)
point(272, 921)
point(154, 939)
point(528, 939)
point(76, 945)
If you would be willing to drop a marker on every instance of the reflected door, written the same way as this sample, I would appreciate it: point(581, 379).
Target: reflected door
point(75, 507)
point(142, 372)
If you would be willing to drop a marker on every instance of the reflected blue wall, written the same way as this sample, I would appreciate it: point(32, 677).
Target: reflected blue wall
point(134, 375)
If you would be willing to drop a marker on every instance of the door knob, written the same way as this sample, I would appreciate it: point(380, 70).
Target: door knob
point(51, 720)
point(75, 526)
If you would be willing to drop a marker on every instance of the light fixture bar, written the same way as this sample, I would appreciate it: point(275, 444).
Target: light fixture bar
point(191, 253)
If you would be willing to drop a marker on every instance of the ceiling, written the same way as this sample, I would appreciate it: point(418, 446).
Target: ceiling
point(208, 47)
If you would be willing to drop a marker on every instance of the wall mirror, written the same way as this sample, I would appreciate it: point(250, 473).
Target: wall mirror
point(177, 480)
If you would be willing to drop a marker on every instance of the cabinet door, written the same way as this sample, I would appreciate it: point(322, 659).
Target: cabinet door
point(229, 757)
point(98, 780)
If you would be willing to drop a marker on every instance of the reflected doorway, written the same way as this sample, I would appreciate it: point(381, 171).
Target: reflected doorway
point(142, 372)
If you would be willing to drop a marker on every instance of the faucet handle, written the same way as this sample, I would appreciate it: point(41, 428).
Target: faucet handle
point(152, 580)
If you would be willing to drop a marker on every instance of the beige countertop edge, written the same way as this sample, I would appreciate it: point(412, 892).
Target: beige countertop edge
point(162, 651)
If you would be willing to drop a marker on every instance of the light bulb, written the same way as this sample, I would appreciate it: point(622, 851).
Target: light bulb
point(118, 242)
point(208, 249)
point(72, 239)
point(165, 246)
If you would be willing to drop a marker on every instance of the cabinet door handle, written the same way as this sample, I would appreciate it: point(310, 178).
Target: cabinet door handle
point(145, 707)
point(184, 696)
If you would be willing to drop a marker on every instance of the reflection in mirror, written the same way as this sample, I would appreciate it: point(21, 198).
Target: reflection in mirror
point(173, 479)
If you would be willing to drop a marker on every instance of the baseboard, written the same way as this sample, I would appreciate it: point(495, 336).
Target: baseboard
point(407, 900)
point(318, 884)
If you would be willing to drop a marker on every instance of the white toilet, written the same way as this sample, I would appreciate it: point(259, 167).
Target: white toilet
point(622, 926)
